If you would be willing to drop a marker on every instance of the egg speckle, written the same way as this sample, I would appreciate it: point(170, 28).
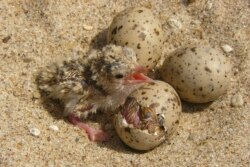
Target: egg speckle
point(199, 74)
point(149, 116)
point(139, 29)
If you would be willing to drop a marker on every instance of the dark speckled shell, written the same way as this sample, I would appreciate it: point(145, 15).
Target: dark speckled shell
point(199, 74)
point(139, 29)
point(161, 98)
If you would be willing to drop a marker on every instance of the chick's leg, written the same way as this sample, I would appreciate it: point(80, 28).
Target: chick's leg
point(93, 134)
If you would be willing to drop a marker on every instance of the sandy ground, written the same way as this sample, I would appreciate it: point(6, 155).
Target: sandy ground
point(37, 32)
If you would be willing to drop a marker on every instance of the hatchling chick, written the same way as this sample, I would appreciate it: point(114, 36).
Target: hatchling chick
point(140, 117)
point(102, 79)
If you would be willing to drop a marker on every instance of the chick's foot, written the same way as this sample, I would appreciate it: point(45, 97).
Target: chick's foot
point(93, 134)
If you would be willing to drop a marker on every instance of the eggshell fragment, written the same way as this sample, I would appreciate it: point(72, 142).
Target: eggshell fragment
point(159, 102)
point(140, 30)
point(199, 74)
point(136, 138)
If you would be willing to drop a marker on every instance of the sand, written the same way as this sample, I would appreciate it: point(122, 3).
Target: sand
point(37, 32)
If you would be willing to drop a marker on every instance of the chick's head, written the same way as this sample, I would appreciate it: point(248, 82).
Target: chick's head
point(117, 69)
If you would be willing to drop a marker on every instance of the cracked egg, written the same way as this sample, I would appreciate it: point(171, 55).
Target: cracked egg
point(149, 116)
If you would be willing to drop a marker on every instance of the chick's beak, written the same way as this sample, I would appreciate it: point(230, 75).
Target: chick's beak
point(138, 76)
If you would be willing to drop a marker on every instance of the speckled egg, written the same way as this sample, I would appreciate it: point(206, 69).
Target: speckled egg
point(199, 74)
point(139, 29)
point(148, 116)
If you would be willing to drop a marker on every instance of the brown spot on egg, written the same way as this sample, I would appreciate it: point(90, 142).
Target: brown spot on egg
point(140, 11)
point(149, 58)
point(180, 54)
point(173, 107)
point(163, 109)
point(134, 27)
point(193, 49)
point(119, 28)
point(142, 36)
point(138, 46)
point(156, 32)
point(208, 69)
point(154, 105)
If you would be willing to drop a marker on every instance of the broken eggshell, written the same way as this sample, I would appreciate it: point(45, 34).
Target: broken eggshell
point(140, 30)
point(148, 116)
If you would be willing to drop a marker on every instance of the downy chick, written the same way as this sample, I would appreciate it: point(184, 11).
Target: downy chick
point(102, 79)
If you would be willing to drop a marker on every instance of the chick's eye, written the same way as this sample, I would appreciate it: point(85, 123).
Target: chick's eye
point(118, 76)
